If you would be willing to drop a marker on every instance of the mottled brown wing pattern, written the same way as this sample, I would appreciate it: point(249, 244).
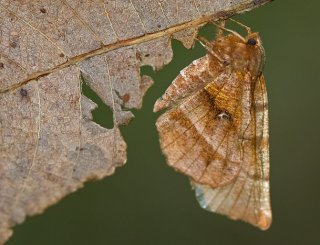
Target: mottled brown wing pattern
point(200, 139)
point(216, 128)
point(192, 78)
point(247, 197)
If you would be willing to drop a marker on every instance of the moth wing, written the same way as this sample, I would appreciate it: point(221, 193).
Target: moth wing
point(197, 143)
point(191, 79)
point(247, 197)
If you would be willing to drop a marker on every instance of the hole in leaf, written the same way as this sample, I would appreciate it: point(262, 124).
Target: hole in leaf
point(102, 114)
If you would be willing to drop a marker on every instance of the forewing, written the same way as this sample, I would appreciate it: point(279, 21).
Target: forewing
point(191, 79)
point(247, 197)
point(198, 143)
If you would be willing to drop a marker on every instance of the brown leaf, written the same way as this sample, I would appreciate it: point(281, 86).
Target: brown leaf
point(49, 144)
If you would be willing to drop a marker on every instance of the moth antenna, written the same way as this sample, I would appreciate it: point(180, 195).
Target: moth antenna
point(242, 25)
point(231, 31)
point(208, 46)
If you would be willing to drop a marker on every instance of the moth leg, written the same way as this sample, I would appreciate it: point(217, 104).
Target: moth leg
point(220, 31)
point(229, 30)
point(242, 25)
point(208, 46)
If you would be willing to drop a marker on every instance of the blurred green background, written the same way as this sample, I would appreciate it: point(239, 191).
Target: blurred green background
point(146, 202)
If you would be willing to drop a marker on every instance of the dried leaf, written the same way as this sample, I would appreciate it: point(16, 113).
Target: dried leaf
point(49, 144)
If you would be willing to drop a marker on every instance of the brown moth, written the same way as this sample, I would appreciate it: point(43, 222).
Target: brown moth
point(216, 128)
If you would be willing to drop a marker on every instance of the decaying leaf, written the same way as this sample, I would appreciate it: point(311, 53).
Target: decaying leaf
point(49, 144)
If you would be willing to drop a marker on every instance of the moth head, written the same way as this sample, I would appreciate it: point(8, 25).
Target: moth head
point(241, 53)
point(253, 42)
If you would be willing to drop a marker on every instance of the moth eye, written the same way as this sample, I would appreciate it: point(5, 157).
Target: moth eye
point(251, 42)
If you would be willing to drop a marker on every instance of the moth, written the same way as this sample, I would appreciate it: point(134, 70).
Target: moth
point(215, 130)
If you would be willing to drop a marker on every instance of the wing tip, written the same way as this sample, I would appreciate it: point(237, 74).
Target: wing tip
point(264, 221)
